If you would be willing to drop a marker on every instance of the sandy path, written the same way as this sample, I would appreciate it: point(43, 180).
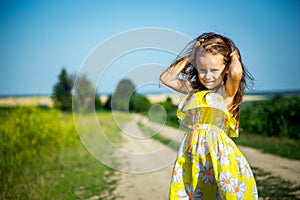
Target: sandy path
point(144, 185)
point(154, 185)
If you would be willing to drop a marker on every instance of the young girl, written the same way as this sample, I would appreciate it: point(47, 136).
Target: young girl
point(209, 164)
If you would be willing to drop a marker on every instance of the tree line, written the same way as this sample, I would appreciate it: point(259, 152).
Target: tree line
point(66, 97)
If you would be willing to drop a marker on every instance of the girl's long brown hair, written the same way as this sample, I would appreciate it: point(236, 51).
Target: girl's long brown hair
point(216, 44)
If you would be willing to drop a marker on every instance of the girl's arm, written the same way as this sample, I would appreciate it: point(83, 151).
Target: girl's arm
point(170, 77)
point(235, 73)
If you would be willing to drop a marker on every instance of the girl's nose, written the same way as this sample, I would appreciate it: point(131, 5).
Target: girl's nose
point(208, 76)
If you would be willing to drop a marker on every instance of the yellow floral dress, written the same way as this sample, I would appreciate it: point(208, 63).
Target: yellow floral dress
point(209, 165)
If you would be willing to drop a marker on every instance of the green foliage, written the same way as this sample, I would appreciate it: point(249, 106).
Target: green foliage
point(125, 99)
point(120, 98)
point(84, 98)
point(61, 95)
point(107, 104)
point(139, 103)
point(285, 147)
point(41, 156)
point(168, 105)
point(276, 117)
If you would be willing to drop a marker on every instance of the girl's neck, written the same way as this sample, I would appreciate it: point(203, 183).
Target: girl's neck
point(219, 89)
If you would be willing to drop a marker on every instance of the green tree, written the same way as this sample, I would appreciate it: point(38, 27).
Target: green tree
point(121, 97)
point(107, 104)
point(85, 98)
point(139, 103)
point(61, 95)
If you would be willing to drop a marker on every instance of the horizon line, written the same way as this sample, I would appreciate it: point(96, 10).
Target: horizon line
point(256, 92)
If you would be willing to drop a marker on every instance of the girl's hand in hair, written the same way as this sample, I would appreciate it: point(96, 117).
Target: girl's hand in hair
point(235, 66)
point(235, 73)
point(191, 58)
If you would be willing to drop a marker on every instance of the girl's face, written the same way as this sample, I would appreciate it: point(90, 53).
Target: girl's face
point(210, 69)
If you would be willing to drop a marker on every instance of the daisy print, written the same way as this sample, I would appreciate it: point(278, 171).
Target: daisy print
point(216, 101)
point(189, 193)
point(206, 173)
point(255, 193)
point(221, 154)
point(244, 167)
point(182, 147)
point(227, 182)
point(212, 135)
point(220, 122)
point(239, 189)
point(201, 147)
point(177, 174)
point(229, 146)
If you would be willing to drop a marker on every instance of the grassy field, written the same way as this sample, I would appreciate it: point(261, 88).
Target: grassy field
point(41, 157)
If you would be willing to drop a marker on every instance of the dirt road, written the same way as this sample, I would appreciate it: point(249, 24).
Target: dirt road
point(155, 184)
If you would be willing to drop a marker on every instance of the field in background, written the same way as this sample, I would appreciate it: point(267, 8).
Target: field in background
point(41, 156)
point(46, 100)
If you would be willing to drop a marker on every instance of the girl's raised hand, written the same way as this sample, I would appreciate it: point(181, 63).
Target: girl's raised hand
point(235, 63)
point(191, 58)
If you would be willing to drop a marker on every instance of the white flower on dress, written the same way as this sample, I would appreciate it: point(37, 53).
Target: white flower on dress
point(230, 145)
point(182, 147)
point(177, 174)
point(212, 135)
point(255, 193)
point(221, 154)
point(239, 189)
point(201, 147)
point(244, 167)
point(226, 182)
point(216, 101)
point(189, 193)
point(220, 122)
point(206, 173)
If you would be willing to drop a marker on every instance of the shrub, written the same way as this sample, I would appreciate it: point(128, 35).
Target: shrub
point(276, 117)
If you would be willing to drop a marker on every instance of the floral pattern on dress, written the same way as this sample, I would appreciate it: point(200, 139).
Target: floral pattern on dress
point(221, 154)
point(206, 173)
point(177, 174)
point(201, 148)
point(239, 189)
point(244, 167)
point(214, 168)
point(227, 182)
point(189, 193)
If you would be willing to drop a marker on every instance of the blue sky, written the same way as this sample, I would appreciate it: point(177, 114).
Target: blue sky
point(38, 38)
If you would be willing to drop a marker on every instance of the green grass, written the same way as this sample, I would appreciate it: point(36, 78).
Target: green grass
point(281, 146)
point(41, 156)
point(285, 147)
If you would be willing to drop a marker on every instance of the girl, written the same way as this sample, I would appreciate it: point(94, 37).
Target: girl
point(209, 165)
